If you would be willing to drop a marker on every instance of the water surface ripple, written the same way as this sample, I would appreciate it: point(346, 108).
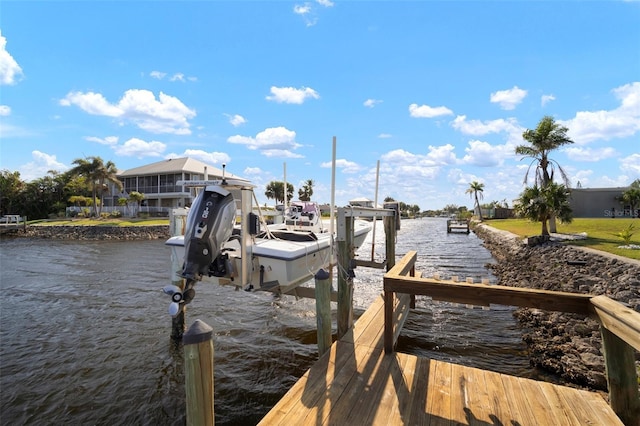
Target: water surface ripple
point(84, 335)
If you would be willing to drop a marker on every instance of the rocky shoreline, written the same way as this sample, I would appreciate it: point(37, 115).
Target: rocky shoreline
point(71, 232)
point(567, 345)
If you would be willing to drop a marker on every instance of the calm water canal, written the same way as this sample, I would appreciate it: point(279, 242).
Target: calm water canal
point(84, 330)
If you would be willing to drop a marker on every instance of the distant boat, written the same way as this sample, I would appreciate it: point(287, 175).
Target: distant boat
point(277, 258)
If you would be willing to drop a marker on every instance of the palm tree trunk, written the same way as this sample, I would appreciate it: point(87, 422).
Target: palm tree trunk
point(478, 207)
point(552, 223)
point(545, 231)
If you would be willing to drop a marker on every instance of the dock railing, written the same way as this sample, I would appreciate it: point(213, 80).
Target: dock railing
point(619, 325)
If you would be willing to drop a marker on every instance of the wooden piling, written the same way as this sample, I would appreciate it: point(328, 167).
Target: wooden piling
point(390, 227)
point(345, 281)
point(177, 223)
point(198, 374)
point(620, 330)
point(323, 310)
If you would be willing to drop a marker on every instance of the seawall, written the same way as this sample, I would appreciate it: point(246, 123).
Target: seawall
point(70, 232)
point(568, 345)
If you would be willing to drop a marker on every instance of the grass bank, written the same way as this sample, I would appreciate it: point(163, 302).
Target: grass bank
point(601, 233)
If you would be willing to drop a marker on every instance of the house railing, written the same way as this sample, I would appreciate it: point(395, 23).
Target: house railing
point(619, 325)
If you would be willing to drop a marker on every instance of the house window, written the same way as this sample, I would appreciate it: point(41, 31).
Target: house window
point(168, 183)
point(148, 184)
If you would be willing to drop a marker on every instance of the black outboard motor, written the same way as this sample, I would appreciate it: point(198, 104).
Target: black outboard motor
point(209, 226)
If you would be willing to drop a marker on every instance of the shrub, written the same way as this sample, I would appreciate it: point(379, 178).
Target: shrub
point(626, 234)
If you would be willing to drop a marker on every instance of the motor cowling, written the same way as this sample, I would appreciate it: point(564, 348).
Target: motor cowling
point(209, 225)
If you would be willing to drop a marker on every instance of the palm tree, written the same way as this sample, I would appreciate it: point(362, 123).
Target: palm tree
point(305, 193)
point(547, 136)
point(136, 198)
point(476, 188)
point(539, 203)
point(97, 173)
point(106, 174)
point(632, 196)
point(275, 190)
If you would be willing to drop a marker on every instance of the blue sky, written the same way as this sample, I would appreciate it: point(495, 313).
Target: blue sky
point(438, 92)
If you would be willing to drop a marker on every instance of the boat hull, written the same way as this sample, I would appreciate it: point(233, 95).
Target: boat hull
point(278, 264)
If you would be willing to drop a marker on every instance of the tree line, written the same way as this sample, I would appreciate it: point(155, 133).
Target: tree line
point(84, 185)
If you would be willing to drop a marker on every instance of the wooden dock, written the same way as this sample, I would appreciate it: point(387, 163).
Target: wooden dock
point(7, 226)
point(356, 383)
point(458, 225)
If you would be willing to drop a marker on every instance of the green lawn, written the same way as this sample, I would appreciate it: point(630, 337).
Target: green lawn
point(600, 232)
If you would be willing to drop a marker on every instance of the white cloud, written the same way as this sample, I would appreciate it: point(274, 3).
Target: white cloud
point(479, 128)
point(425, 111)
point(631, 164)
point(253, 171)
point(370, 103)
point(271, 142)
point(109, 140)
point(291, 95)
point(158, 74)
point(346, 165)
point(622, 122)
point(308, 11)
point(236, 119)
point(204, 156)
point(40, 166)
point(508, 99)
point(545, 99)
point(167, 114)
point(5, 110)
point(483, 154)
point(10, 71)
point(302, 9)
point(92, 103)
point(588, 154)
point(135, 147)
point(442, 155)
point(385, 136)
point(398, 164)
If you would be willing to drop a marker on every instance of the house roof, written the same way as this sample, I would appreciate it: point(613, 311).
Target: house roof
point(177, 165)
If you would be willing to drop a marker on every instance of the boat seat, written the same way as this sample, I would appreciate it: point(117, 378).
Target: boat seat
point(291, 235)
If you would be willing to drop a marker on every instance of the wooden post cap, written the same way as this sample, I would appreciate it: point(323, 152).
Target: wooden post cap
point(322, 275)
point(198, 332)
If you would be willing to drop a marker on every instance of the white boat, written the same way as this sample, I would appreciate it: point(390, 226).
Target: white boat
point(252, 256)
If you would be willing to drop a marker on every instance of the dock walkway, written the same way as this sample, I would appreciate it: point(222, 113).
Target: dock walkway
point(355, 383)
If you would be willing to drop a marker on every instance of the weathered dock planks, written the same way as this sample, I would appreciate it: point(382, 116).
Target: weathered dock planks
point(356, 383)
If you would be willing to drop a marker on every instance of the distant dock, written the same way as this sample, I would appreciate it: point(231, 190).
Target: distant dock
point(12, 223)
point(454, 225)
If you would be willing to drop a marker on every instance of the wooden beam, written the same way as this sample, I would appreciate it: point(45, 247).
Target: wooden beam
point(622, 378)
point(388, 322)
point(620, 320)
point(406, 264)
point(371, 264)
point(483, 294)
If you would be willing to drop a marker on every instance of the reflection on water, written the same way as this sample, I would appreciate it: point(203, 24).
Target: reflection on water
point(85, 332)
